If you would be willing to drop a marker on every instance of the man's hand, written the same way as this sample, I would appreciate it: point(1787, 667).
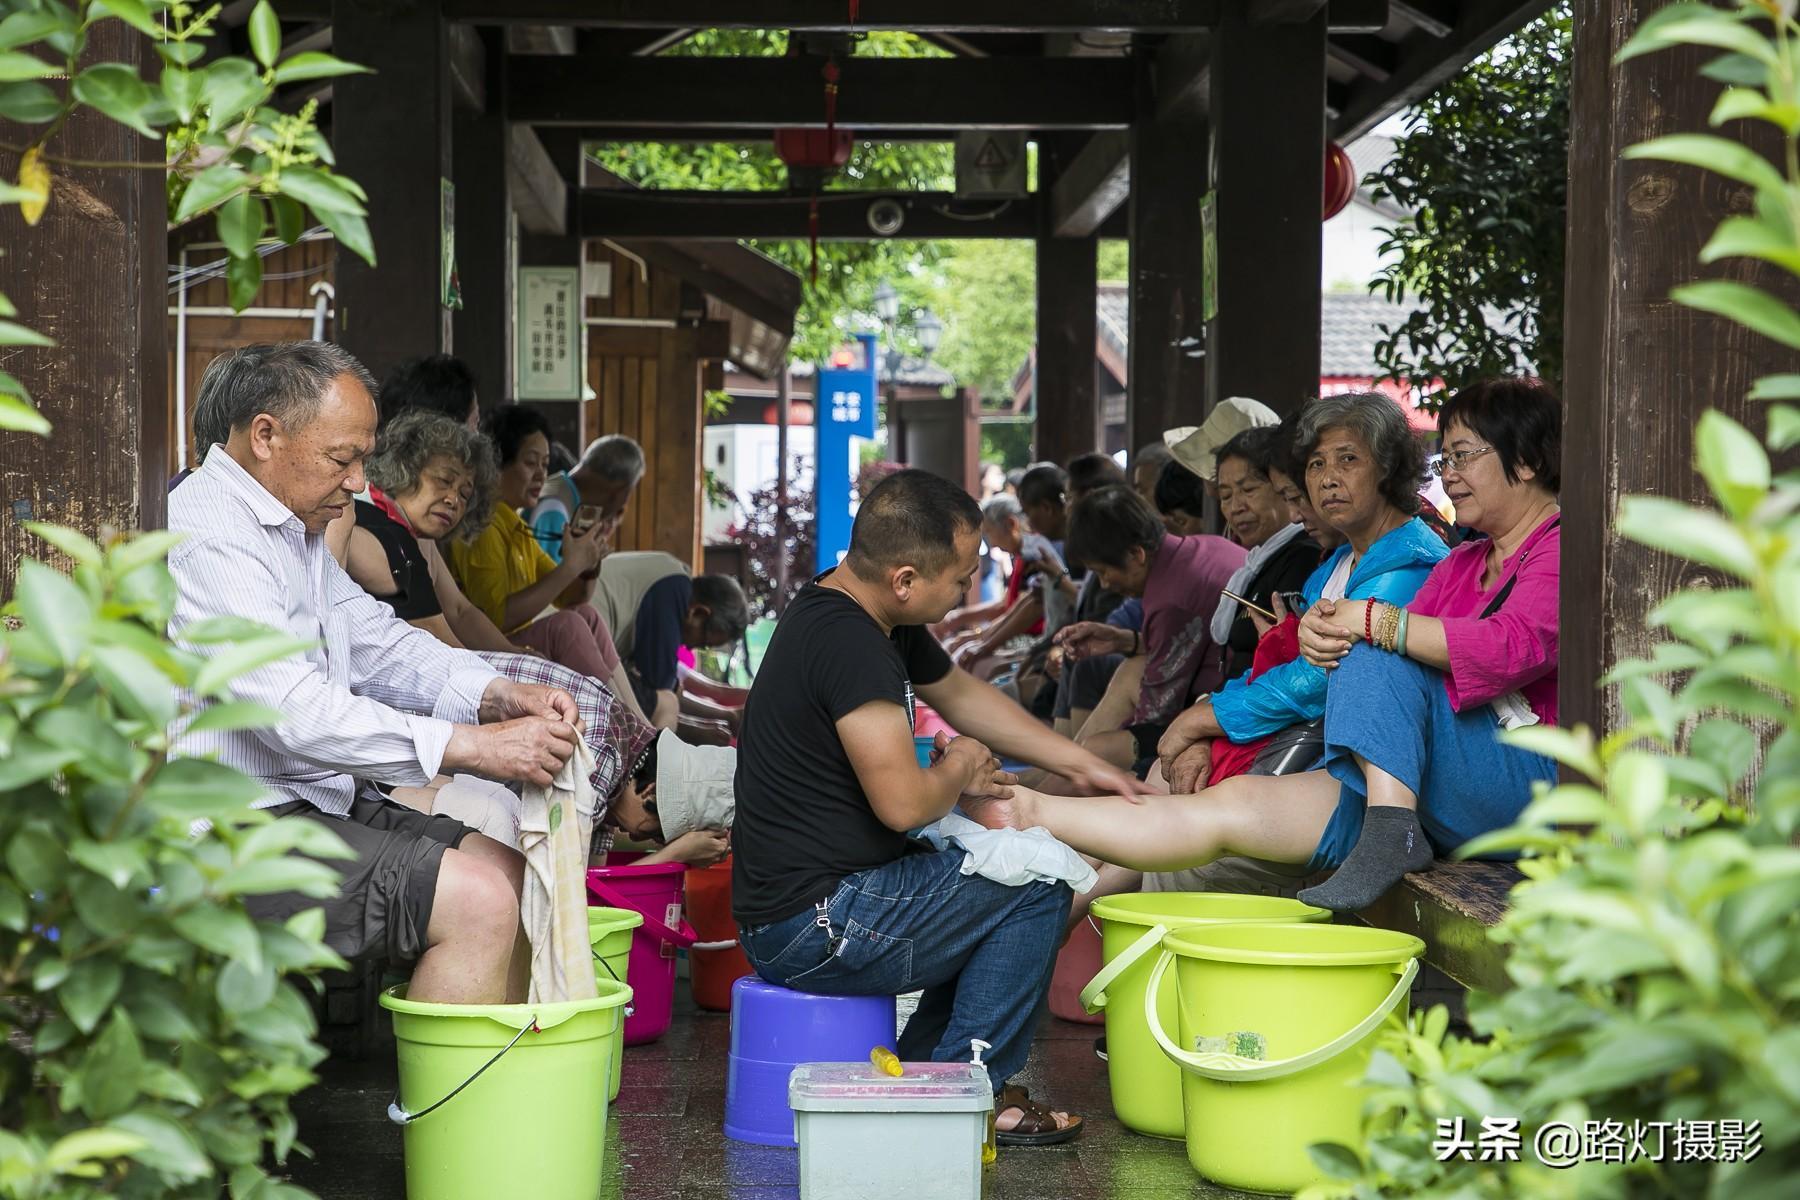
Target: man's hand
point(528, 749)
point(968, 654)
point(1329, 629)
point(584, 550)
point(1087, 639)
point(1183, 733)
point(976, 761)
point(506, 699)
point(1189, 770)
point(700, 847)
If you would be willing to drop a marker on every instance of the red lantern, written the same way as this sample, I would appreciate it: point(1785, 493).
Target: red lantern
point(800, 412)
point(813, 149)
point(1340, 180)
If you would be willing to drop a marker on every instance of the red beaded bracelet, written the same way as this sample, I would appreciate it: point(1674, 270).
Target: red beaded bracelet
point(1369, 622)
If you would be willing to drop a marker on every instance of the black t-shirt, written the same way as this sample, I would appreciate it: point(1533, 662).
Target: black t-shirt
point(414, 597)
point(803, 822)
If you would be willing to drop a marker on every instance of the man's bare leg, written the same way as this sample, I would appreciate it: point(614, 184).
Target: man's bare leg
point(1276, 819)
point(511, 864)
point(473, 935)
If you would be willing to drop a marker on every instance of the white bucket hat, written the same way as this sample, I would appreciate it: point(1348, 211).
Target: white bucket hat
point(693, 786)
point(1196, 447)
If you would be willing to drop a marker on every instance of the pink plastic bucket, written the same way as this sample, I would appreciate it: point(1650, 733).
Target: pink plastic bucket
point(1079, 961)
point(655, 891)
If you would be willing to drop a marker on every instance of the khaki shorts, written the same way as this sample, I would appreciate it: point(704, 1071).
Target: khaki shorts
point(383, 905)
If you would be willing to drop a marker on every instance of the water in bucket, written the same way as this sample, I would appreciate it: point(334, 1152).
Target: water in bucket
point(494, 1095)
point(1284, 1018)
point(1146, 1087)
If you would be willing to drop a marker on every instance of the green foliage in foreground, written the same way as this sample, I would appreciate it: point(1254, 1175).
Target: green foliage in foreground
point(150, 1031)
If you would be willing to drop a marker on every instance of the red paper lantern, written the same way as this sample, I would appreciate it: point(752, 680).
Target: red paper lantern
point(813, 149)
point(800, 412)
point(1340, 180)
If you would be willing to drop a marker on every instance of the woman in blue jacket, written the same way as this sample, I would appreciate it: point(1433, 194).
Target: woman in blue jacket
point(1361, 465)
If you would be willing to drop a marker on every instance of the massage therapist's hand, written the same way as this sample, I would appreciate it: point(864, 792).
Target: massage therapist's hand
point(975, 760)
point(527, 749)
point(506, 699)
point(1094, 776)
point(1329, 629)
point(1086, 639)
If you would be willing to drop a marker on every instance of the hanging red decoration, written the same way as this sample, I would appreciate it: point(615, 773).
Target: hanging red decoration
point(813, 149)
point(1340, 180)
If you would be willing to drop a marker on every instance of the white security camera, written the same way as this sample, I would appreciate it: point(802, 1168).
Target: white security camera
point(886, 217)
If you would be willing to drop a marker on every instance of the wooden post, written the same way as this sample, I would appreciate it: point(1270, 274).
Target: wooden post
point(484, 230)
point(1068, 391)
point(391, 131)
point(1166, 370)
point(1268, 175)
point(1639, 369)
point(93, 276)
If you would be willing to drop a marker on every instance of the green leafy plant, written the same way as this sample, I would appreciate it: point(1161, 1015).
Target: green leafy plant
point(1483, 166)
point(150, 1030)
point(230, 149)
point(1654, 946)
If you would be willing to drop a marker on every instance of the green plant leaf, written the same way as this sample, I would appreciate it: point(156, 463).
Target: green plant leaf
point(136, 684)
point(1784, 427)
point(28, 102)
point(313, 65)
point(166, 1083)
point(243, 279)
point(1572, 748)
point(16, 65)
point(16, 416)
point(71, 542)
point(290, 218)
point(12, 908)
point(244, 986)
point(244, 657)
point(1720, 155)
point(1732, 461)
point(265, 33)
point(1738, 69)
point(1752, 237)
point(89, 1145)
point(117, 862)
point(209, 189)
point(351, 231)
point(1639, 785)
point(168, 1148)
point(142, 549)
point(320, 191)
point(190, 788)
point(134, 13)
point(1688, 532)
point(53, 606)
point(1715, 28)
point(116, 90)
point(233, 87)
point(269, 875)
point(224, 930)
point(233, 715)
point(32, 759)
point(1776, 387)
point(213, 630)
point(111, 1069)
point(14, 334)
point(278, 838)
point(1339, 1162)
point(25, 26)
point(1750, 307)
point(182, 88)
point(89, 991)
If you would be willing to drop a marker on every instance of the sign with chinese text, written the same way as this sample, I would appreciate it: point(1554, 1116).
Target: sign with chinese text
point(846, 410)
point(547, 347)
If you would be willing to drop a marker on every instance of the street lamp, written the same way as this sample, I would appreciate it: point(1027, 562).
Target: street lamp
point(887, 303)
point(930, 331)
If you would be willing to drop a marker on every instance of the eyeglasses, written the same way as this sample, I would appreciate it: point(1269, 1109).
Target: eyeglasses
point(1457, 460)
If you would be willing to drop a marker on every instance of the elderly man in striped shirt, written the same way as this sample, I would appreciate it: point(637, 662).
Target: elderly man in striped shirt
point(375, 702)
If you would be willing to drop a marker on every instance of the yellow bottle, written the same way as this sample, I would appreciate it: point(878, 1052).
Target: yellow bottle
point(990, 1146)
point(886, 1061)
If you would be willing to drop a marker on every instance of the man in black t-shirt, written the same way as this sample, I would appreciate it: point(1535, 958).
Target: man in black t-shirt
point(830, 894)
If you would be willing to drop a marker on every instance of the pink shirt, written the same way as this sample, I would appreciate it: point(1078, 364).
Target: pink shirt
point(1186, 574)
point(1513, 650)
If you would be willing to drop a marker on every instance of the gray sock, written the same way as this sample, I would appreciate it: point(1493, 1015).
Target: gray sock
point(1392, 844)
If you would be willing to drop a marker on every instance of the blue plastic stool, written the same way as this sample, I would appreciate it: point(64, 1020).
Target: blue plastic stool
point(773, 1030)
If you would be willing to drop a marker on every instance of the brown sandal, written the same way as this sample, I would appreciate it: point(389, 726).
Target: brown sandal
point(1037, 1123)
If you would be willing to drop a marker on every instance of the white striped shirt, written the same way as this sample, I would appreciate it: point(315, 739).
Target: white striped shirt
point(350, 705)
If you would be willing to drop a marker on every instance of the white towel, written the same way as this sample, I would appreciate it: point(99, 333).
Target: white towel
point(1012, 856)
point(555, 825)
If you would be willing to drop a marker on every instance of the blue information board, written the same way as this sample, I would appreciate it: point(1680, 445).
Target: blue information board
point(844, 408)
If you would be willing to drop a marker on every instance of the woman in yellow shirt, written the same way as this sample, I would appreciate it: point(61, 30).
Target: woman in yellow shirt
point(508, 576)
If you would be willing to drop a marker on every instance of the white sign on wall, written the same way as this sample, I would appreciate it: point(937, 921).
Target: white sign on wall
point(990, 164)
point(547, 352)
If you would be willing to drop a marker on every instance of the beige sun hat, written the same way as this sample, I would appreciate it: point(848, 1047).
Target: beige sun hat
point(1196, 447)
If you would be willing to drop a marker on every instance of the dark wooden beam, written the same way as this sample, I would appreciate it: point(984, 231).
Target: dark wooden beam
point(765, 93)
point(843, 216)
point(1424, 63)
point(1069, 421)
point(1434, 18)
point(1166, 372)
point(1267, 151)
point(756, 286)
point(917, 16)
point(482, 154)
point(1091, 186)
point(392, 136)
point(1179, 84)
point(1368, 56)
point(1639, 369)
point(724, 133)
point(237, 12)
point(1284, 12)
point(93, 276)
point(539, 192)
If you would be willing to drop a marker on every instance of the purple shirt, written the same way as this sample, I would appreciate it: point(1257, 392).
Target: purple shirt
point(1515, 649)
point(1186, 574)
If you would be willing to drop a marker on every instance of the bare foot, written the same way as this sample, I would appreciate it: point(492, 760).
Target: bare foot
point(1017, 811)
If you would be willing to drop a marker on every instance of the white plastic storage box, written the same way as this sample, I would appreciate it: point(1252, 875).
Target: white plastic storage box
point(869, 1136)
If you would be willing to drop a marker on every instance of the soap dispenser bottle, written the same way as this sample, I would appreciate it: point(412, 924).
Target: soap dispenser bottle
point(990, 1148)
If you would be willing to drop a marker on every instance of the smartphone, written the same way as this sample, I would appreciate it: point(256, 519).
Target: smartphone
point(586, 517)
point(1249, 604)
point(1295, 602)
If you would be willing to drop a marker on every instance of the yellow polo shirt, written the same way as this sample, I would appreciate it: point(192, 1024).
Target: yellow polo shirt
point(506, 558)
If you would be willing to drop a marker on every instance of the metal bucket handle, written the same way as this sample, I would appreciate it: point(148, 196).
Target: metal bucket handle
point(1234, 1068)
point(397, 1112)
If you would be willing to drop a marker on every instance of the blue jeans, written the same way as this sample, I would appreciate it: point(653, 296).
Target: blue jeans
point(983, 953)
point(1395, 713)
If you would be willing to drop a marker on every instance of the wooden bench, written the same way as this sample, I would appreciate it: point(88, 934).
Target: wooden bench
point(1452, 907)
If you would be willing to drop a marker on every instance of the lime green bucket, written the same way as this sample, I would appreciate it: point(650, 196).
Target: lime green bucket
point(609, 932)
point(1146, 1087)
point(1276, 1024)
point(494, 1095)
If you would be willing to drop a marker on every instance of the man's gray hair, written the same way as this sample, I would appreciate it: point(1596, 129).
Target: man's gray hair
point(418, 435)
point(730, 609)
point(287, 380)
point(1152, 452)
point(995, 510)
point(614, 458)
point(1378, 421)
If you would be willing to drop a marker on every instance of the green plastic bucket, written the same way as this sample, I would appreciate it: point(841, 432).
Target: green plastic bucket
point(1146, 1087)
point(609, 932)
point(493, 1095)
point(1314, 997)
